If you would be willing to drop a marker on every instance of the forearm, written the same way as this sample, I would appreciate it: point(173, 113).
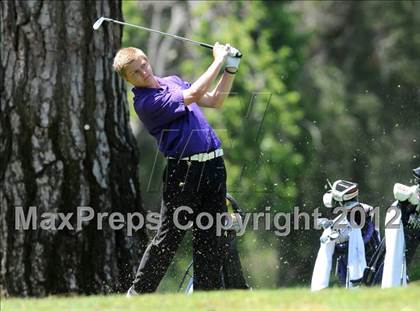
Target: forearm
point(217, 96)
point(203, 83)
point(222, 89)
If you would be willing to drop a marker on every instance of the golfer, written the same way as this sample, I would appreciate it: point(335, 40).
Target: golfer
point(195, 175)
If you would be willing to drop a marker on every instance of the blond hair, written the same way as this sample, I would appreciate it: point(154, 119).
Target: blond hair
point(124, 57)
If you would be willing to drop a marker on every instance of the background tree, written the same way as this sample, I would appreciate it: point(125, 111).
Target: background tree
point(65, 142)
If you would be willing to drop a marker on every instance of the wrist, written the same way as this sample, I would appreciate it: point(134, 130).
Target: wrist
point(231, 70)
point(219, 60)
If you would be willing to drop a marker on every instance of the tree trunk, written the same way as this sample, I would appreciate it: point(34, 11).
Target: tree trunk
point(65, 142)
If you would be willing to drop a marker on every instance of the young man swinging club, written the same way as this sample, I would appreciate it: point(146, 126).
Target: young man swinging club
point(195, 174)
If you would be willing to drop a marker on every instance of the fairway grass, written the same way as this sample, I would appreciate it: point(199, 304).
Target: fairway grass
point(406, 299)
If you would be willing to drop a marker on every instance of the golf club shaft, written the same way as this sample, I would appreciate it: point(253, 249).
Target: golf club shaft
point(162, 33)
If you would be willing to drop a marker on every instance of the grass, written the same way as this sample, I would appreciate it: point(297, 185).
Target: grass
point(377, 299)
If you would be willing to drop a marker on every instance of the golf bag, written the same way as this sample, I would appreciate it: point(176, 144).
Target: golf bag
point(344, 241)
point(402, 233)
point(231, 273)
point(402, 236)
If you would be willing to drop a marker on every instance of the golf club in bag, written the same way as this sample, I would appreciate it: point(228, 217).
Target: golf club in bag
point(233, 52)
point(232, 275)
point(375, 267)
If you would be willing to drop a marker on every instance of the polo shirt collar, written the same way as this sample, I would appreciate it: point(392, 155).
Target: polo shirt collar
point(139, 90)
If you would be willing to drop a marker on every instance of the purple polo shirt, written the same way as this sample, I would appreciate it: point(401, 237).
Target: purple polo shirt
point(180, 130)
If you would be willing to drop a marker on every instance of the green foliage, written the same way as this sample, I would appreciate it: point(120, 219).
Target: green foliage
point(358, 92)
point(134, 14)
point(259, 123)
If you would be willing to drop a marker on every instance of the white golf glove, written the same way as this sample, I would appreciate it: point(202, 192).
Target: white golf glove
point(232, 61)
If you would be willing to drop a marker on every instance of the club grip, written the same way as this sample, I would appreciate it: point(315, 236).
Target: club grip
point(208, 46)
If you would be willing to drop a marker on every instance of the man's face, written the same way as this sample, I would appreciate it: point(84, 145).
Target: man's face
point(139, 72)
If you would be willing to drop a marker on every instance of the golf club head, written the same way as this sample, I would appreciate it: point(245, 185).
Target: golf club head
point(98, 23)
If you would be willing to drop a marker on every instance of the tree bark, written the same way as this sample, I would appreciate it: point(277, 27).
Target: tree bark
point(65, 142)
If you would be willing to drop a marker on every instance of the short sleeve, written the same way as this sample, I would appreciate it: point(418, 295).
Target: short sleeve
point(166, 106)
point(187, 84)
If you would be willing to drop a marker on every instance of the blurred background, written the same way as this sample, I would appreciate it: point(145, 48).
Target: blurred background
point(325, 89)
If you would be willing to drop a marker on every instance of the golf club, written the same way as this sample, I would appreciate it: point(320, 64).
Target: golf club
point(102, 19)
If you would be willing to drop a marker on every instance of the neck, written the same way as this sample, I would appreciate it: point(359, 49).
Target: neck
point(151, 83)
point(154, 83)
